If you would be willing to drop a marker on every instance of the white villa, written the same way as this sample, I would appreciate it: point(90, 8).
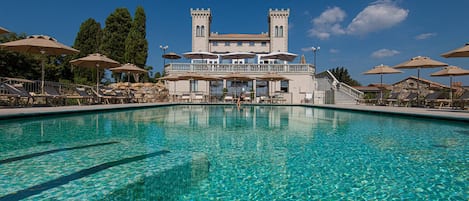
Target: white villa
point(301, 85)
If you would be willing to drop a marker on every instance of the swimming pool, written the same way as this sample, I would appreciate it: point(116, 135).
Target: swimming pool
point(197, 152)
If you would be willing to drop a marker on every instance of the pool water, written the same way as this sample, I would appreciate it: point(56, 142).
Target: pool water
point(203, 152)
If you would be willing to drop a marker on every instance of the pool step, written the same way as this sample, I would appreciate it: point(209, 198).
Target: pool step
point(161, 176)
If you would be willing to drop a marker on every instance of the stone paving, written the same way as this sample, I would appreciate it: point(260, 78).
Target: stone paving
point(449, 114)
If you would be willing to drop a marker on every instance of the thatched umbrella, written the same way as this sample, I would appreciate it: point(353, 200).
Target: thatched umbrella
point(97, 61)
point(3, 30)
point(418, 63)
point(129, 68)
point(39, 44)
point(380, 70)
point(459, 52)
point(451, 71)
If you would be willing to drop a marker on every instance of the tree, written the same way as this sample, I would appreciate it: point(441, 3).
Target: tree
point(136, 45)
point(18, 65)
point(88, 42)
point(341, 74)
point(115, 33)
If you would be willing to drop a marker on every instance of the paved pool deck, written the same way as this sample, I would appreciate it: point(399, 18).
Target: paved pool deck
point(447, 114)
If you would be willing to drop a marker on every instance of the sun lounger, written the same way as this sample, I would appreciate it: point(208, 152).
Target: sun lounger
point(17, 93)
point(393, 99)
point(437, 98)
point(199, 97)
point(81, 94)
point(228, 98)
point(409, 99)
point(185, 97)
point(308, 98)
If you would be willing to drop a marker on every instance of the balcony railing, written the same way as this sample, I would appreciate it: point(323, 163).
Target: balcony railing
point(221, 68)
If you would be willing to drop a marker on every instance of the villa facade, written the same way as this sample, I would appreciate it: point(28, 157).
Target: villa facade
point(300, 82)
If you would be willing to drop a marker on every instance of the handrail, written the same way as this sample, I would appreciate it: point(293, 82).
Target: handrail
point(355, 93)
point(204, 67)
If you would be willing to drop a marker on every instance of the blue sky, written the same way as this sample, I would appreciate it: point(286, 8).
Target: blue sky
point(355, 34)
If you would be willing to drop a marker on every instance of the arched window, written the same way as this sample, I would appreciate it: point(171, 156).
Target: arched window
point(197, 31)
point(276, 31)
point(202, 31)
point(280, 32)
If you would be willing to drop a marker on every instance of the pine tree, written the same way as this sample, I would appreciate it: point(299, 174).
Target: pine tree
point(88, 42)
point(115, 33)
point(341, 74)
point(136, 45)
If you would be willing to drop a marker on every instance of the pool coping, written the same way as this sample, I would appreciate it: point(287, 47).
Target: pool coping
point(445, 114)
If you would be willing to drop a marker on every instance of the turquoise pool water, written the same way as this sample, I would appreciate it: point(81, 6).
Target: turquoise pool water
point(220, 153)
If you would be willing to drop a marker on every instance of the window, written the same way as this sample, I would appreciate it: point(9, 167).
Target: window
point(284, 86)
point(240, 43)
point(276, 31)
point(197, 31)
point(263, 44)
point(251, 43)
point(227, 43)
point(215, 43)
point(280, 31)
point(202, 31)
point(194, 85)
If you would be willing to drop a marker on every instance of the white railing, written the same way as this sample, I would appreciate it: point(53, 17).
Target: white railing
point(345, 88)
point(205, 68)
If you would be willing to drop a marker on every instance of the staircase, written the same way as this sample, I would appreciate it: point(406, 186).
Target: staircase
point(337, 92)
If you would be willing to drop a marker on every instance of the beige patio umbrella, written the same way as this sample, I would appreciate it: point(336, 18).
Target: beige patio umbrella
point(272, 77)
point(285, 56)
point(39, 44)
point(451, 71)
point(3, 30)
point(200, 55)
point(418, 63)
point(97, 61)
point(459, 52)
point(380, 70)
point(171, 55)
point(128, 68)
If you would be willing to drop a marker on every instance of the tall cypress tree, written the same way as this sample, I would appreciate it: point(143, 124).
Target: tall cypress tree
point(341, 74)
point(136, 44)
point(115, 33)
point(87, 41)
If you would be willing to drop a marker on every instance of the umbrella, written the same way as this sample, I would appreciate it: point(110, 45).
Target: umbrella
point(97, 61)
point(129, 68)
point(460, 52)
point(39, 44)
point(381, 69)
point(285, 56)
point(451, 71)
point(238, 55)
point(200, 55)
point(173, 78)
point(171, 55)
point(420, 62)
point(3, 30)
point(272, 77)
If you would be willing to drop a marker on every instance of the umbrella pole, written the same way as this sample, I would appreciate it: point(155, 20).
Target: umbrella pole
point(42, 76)
point(381, 90)
point(451, 90)
point(418, 87)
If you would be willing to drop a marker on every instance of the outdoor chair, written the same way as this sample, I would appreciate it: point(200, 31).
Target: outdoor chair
point(436, 98)
point(82, 94)
point(409, 99)
point(228, 98)
point(308, 98)
point(393, 99)
point(17, 93)
point(185, 97)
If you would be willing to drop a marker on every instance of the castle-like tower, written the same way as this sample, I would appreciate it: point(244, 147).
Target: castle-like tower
point(278, 29)
point(276, 39)
point(201, 20)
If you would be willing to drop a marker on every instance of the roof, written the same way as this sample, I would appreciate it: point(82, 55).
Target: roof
point(215, 36)
point(431, 83)
point(367, 88)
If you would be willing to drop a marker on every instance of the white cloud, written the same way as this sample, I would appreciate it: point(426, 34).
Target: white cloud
point(375, 17)
point(384, 53)
point(328, 23)
point(334, 51)
point(425, 36)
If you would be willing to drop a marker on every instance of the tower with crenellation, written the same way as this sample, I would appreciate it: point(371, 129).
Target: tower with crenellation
point(278, 29)
point(201, 19)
